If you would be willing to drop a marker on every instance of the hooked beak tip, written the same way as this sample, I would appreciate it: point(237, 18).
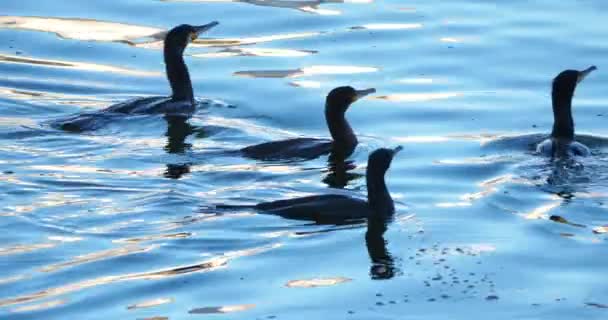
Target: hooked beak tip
point(206, 27)
point(585, 73)
point(363, 93)
point(397, 149)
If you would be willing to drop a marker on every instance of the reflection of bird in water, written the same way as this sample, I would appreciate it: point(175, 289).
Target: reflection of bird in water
point(176, 171)
point(562, 143)
point(180, 103)
point(343, 143)
point(338, 174)
point(383, 265)
point(178, 129)
point(567, 176)
point(339, 209)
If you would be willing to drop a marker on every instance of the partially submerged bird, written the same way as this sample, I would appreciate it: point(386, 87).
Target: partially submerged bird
point(343, 141)
point(335, 208)
point(180, 103)
point(562, 143)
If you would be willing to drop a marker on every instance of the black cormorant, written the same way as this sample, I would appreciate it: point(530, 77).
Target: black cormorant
point(343, 141)
point(562, 143)
point(181, 102)
point(335, 208)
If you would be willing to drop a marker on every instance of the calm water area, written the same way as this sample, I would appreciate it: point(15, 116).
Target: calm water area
point(116, 223)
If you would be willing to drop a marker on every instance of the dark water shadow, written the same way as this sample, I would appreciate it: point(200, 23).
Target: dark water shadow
point(338, 175)
point(383, 264)
point(178, 129)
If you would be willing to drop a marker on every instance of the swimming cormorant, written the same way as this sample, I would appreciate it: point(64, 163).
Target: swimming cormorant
point(335, 208)
point(343, 141)
point(561, 143)
point(181, 102)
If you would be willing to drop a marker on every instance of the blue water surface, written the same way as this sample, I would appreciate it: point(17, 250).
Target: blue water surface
point(115, 223)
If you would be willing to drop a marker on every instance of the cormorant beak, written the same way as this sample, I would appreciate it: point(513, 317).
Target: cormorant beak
point(396, 150)
point(204, 28)
point(585, 73)
point(362, 93)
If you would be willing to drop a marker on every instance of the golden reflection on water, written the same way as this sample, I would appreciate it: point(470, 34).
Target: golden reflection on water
point(306, 71)
point(277, 169)
point(450, 40)
point(50, 97)
point(389, 26)
point(212, 264)
point(303, 234)
point(311, 6)
point(453, 204)
point(417, 80)
point(45, 201)
point(419, 97)
point(230, 42)
point(542, 211)
point(150, 303)
point(205, 217)
point(23, 248)
point(475, 161)
point(316, 282)
point(75, 65)
point(209, 265)
point(482, 248)
point(65, 239)
point(489, 187)
point(134, 35)
point(15, 121)
point(97, 256)
point(252, 251)
point(306, 84)
point(222, 309)
point(421, 139)
point(40, 306)
point(255, 52)
point(14, 279)
point(180, 235)
point(482, 138)
point(81, 29)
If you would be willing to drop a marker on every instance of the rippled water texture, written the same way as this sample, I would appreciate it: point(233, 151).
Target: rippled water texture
point(113, 224)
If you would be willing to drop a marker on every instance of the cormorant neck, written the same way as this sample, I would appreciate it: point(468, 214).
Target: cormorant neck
point(344, 139)
point(563, 125)
point(177, 74)
point(378, 197)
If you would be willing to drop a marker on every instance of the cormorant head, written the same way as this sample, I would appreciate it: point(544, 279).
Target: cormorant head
point(380, 160)
point(179, 37)
point(565, 84)
point(341, 98)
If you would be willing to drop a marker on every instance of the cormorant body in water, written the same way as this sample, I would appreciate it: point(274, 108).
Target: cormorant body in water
point(562, 143)
point(343, 141)
point(181, 103)
point(339, 209)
